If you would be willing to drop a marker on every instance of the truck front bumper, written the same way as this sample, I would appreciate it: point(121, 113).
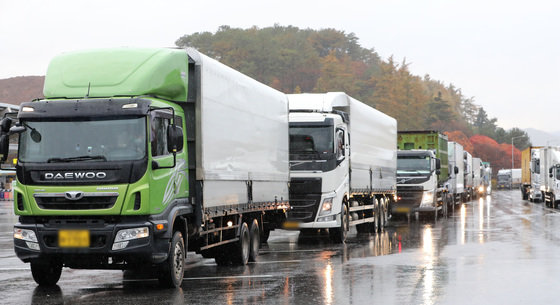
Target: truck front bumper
point(99, 254)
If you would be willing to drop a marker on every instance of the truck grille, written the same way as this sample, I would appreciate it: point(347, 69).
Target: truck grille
point(409, 194)
point(85, 201)
point(305, 197)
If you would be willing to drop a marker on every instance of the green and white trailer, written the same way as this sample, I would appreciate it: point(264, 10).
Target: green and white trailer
point(136, 156)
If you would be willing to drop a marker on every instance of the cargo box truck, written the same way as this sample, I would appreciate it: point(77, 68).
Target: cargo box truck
point(509, 178)
point(343, 162)
point(487, 177)
point(530, 174)
point(137, 155)
point(550, 175)
point(456, 182)
point(469, 189)
point(422, 171)
point(477, 170)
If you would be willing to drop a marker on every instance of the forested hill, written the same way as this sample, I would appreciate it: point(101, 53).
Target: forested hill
point(17, 90)
point(296, 60)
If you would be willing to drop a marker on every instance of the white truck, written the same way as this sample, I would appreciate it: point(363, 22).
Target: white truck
point(530, 174)
point(456, 182)
point(343, 158)
point(508, 178)
point(469, 187)
point(550, 175)
point(478, 184)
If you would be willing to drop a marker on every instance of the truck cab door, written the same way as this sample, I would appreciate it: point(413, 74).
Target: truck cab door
point(167, 181)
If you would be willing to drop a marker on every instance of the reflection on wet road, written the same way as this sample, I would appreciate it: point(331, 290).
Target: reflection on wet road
point(498, 249)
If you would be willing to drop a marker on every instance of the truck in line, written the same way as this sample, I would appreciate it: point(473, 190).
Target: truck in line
point(487, 177)
point(456, 182)
point(137, 155)
point(508, 178)
point(469, 186)
point(478, 173)
point(530, 174)
point(342, 164)
point(422, 171)
point(550, 175)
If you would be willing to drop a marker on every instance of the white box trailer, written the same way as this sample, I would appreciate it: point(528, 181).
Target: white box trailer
point(477, 169)
point(343, 157)
point(469, 187)
point(456, 181)
point(241, 137)
point(550, 175)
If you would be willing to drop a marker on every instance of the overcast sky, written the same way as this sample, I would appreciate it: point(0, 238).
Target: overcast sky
point(504, 53)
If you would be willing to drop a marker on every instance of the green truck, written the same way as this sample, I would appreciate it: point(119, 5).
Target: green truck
point(136, 156)
point(422, 171)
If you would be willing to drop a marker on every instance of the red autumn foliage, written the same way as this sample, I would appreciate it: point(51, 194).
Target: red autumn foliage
point(499, 155)
point(459, 137)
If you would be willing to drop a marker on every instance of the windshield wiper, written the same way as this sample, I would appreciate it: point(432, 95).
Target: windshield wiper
point(79, 158)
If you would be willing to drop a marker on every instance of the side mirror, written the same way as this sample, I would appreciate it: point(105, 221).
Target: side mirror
point(438, 164)
point(456, 170)
point(550, 175)
point(438, 172)
point(4, 147)
point(174, 138)
point(5, 124)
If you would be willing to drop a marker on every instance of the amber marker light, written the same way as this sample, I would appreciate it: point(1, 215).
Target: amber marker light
point(159, 226)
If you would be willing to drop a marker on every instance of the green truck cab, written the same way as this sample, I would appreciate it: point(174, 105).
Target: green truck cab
point(120, 166)
point(422, 171)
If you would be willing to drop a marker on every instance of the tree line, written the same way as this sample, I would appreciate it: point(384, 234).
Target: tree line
point(295, 60)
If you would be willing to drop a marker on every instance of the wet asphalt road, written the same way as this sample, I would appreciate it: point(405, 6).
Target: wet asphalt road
point(497, 250)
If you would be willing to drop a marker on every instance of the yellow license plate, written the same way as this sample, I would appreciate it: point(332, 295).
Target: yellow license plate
point(73, 238)
point(402, 210)
point(290, 225)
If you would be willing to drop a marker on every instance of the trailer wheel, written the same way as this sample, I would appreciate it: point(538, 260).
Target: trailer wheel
point(242, 247)
point(381, 215)
point(173, 269)
point(339, 234)
point(255, 236)
point(46, 273)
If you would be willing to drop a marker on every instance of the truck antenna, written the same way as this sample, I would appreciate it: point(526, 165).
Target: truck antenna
point(89, 86)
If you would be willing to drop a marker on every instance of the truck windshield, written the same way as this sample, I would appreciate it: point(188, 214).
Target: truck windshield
point(83, 140)
point(419, 165)
point(311, 139)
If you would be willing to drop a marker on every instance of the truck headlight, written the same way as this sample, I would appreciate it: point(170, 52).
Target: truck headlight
point(23, 234)
point(481, 189)
point(28, 236)
point(326, 207)
point(126, 235)
point(427, 198)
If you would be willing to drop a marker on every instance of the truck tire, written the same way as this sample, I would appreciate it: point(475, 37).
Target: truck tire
point(242, 248)
point(381, 215)
point(255, 236)
point(173, 269)
point(46, 273)
point(338, 235)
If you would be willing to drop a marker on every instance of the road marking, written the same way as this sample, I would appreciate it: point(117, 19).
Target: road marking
point(277, 262)
point(15, 269)
point(227, 277)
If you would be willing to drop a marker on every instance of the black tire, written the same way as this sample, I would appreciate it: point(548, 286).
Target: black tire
point(173, 269)
point(380, 215)
point(46, 273)
point(338, 235)
point(255, 236)
point(242, 248)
